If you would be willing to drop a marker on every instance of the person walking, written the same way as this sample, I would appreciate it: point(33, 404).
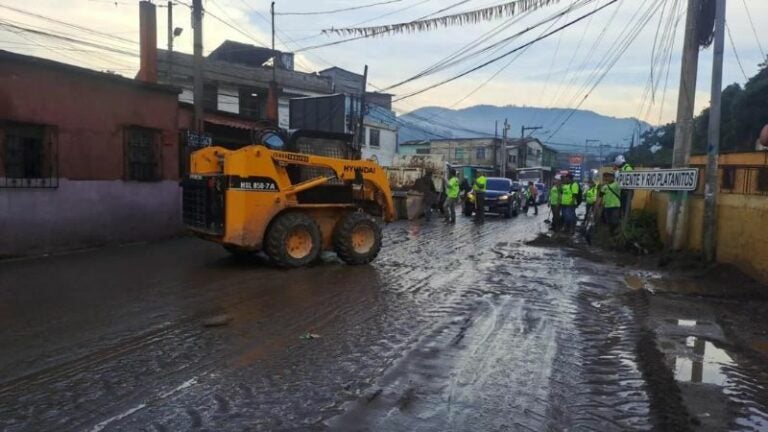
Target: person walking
point(590, 197)
point(554, 203)
point(426, 185)
point(533, 198)
point(479, 189)
point(451, 196)
point(610, 201)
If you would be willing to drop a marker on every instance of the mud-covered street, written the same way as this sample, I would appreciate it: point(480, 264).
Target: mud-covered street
point(452, 328)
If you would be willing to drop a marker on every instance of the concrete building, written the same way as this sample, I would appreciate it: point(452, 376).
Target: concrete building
point(481, 152)
point(86, 158)
point(532, 160)
point(379, 121)
point(236, 80)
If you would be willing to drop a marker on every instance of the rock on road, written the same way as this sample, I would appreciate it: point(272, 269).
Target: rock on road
point(452, 328)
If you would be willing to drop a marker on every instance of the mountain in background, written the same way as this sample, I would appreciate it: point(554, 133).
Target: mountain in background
point(436, 122)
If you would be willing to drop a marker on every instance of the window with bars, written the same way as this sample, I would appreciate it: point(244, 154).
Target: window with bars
point(374, 137)
point(423, 151)
point(459, 154)
point(27, 155)
point(480, 153)
point(142, 154)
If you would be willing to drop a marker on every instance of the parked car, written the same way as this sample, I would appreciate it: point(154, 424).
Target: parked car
point(501, 197)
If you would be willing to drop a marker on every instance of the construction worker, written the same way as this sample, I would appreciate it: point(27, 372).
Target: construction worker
point(554, 203)
point(610, 201)
point(451, 196)
point(590, 197)
point(621, 165)
point(532, 197)
point(568, 203)
point(426, 185)
point(479, 189)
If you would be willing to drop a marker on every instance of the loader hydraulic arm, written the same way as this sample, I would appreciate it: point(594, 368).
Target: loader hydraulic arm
point(345, 170)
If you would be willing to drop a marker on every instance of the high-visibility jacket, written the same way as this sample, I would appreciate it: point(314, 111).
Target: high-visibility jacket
point(480, 184)
point(626, 167)
point(452, 191)
point(554, 195)
point(611, 195)
point(569, 193)
point(590, 196)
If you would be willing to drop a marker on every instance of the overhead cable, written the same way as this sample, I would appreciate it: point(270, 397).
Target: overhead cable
point(335, 11)
point(507, 54)
point(470, 17)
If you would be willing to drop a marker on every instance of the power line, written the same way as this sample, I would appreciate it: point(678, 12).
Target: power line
point(736, 53)
point(754, 30)
point(466, 53)
point(335, 11)
point(475, 16)
point(70, 25)
point(623, 45)
point(508, 53)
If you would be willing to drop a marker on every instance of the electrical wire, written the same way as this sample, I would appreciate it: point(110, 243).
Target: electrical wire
point(736, 53)
point(508, 53)
point(466, 53)
point(335, 11)
point(754, 30)
point(623, 45)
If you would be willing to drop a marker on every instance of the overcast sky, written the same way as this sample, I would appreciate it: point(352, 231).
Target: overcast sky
point(550, 73)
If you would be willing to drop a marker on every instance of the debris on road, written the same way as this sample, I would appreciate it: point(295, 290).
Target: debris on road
point(217, 321)
point(309, 336)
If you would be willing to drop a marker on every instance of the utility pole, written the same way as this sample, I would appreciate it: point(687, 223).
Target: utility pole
point(584, 159)
point(361, 127)
point(272, 96)
point(504, 153)
point(684, 126)
point(197, 22)
point(170, 42)
point(524, 155)
point(713, 147)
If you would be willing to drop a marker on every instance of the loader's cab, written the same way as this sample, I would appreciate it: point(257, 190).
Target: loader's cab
point(291, 196)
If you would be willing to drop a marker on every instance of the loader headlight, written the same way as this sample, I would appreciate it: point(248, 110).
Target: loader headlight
point(504, 198)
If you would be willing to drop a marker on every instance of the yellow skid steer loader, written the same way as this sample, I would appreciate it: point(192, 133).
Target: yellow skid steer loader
point(291, 205)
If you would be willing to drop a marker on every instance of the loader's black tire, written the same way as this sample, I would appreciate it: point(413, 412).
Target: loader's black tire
point(357, 238)
point(293, 240)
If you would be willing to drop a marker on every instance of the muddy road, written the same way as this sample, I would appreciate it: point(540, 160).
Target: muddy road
point(453, 328)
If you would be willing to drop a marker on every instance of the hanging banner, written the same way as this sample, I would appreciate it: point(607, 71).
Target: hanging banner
point(679, 179)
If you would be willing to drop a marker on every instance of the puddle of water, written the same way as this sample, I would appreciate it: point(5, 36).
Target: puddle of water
point(704, 365)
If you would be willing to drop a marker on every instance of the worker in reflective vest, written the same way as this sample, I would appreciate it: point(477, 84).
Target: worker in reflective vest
point(451, 196)
point(554, 202)
point(479, 189)
point(622, 165)
point(610, 201)
point(590, 197)
point(568, 203)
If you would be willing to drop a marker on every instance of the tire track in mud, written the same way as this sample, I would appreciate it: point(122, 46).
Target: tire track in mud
point(465, 314)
